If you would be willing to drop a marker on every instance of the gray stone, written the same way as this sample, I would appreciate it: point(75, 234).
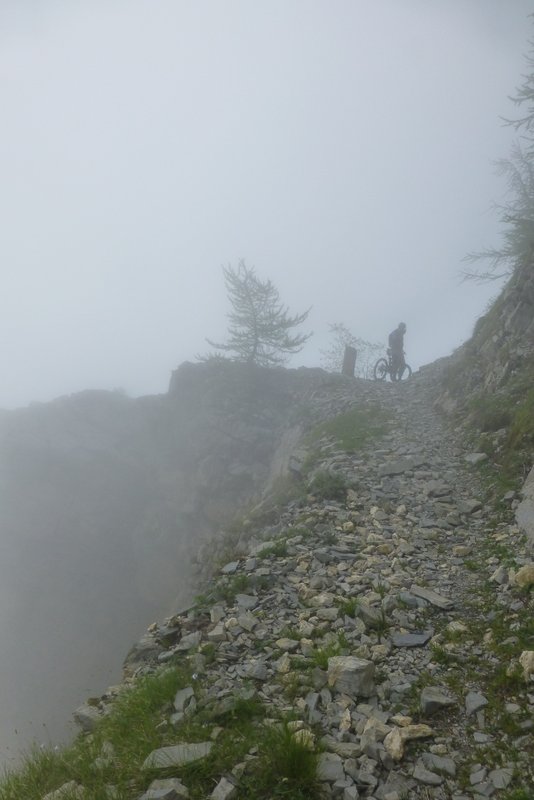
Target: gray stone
point(189, 641)
point(352, 676)
point(500, 575)
point(217, 633)
point(474, 701)
point(432, 699)
point(469, 506)
point(183, 698)
point(166, 789)
point(330, 768)
point(437, 488)
point(177, 755)
point(257, 670)
point(224, 790)
point(68, 791)
point(423, 775)
point(411, 639)
point(478, 775)
point(501, 778)
point(370, 615)
point(485, 789)
point(475, 458)
point(439, 764)
point(395, 467)
point(432, 597)
point(87, 716)
point(246, 601)
point(366, 777)
point(230, 568)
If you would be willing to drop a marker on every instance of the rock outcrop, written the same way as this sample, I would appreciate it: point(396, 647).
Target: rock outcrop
point(368, 617)
point(104, 503)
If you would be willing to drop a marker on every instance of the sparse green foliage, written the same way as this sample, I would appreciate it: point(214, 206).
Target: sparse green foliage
point(353, 429)
point(328, 486)
point(284, 755)
point(336, 647)
point(517, 213)
point(517, 219)
point(131, 730)
point(367, 352)
point(348, 607)
point(230, 587)
point(278, 550)
point(259, 325)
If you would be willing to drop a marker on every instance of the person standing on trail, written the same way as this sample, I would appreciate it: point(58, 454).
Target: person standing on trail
point(396, 351)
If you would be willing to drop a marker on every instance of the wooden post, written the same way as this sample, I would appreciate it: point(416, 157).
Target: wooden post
point(349, 361)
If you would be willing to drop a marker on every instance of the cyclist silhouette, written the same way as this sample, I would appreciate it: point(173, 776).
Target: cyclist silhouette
point(396, 351)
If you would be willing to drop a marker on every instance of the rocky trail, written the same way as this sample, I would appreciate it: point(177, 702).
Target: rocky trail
point(392, 622)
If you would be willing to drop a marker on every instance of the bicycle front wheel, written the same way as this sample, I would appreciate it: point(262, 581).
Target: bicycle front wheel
point(381, 369)
point(406, 373)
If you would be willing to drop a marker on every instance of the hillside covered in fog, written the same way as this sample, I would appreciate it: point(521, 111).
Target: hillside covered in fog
point(104, 502)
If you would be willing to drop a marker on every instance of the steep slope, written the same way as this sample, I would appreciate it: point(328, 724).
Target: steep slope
point(488, 383)
point(375, 641)
point(104, 502)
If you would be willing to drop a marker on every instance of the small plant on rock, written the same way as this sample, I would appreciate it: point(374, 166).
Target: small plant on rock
point(328, 486)
point(291, 759)
point(348, 607)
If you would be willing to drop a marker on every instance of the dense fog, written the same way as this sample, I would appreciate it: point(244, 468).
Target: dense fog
point(343, 149)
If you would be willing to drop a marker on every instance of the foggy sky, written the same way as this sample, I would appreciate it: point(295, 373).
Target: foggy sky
point(342, 147)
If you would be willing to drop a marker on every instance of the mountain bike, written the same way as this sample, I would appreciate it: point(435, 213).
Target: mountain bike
point(384, 366)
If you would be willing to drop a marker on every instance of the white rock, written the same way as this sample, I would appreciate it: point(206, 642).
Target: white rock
point(524, 577)
point(68, 790)
point(224, 790)
point(177, 755)
point(526, 659)
point(397, 738)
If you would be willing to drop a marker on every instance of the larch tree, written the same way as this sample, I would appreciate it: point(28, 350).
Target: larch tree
point(516, 214)
point(261, 329)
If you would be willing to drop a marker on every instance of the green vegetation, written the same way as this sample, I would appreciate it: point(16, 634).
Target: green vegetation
point(490, 412)
point(485, 657)
point(114, 753)
point(342, 337)
point(516, 214)
point(291, 760)
point(354, 429)
point(278, 550)
point(337, 647)
point(328, 486)
point(519, 794)
point(129, 734)
point(228, 588)
point(501, 424)
point(348, 607)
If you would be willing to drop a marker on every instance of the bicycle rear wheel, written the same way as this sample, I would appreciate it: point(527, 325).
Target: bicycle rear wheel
point(381, 369)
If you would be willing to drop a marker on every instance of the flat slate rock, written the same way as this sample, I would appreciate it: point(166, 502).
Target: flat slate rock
point(177, 755)
point(397, 467)
point(474, 701)
point(418, 639)
point(168, 789)
point(432, 597)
